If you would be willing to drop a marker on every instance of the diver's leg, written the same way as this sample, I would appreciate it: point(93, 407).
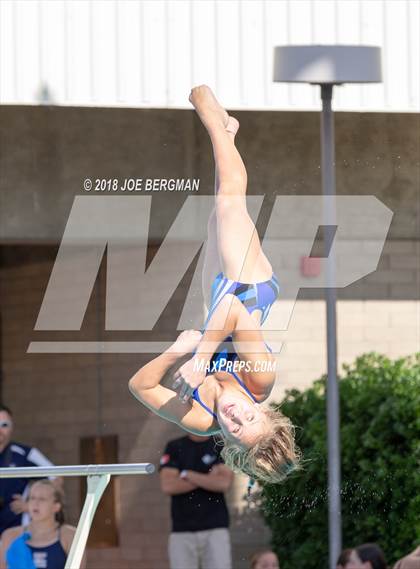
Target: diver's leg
point(231, 128)
point(229, 165)
point(232, 318)
point(212, 265)
point(239, 246)
point(257, 365)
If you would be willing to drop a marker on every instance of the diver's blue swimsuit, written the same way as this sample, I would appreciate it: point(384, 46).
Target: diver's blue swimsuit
point(255, 296)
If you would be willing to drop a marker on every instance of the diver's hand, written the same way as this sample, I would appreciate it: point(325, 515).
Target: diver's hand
point(186, 342)
point(189, 376)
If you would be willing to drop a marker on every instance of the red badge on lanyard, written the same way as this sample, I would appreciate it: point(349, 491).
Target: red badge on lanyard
point(165, 459)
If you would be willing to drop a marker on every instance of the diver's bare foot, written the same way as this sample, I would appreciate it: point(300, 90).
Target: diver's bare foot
point(207, 107)
point(186, 342)
point(232, 127)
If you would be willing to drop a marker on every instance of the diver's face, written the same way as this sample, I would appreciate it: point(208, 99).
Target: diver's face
point(241, 420)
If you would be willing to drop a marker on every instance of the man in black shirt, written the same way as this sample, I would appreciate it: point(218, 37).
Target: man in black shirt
point(193, 474)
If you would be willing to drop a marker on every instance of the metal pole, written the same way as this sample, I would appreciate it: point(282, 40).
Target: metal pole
point(333, 407)
point(98, 477)
point(95, 488)
point(77, 470)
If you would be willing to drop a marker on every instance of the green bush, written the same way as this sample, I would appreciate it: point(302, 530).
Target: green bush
point(380, 447)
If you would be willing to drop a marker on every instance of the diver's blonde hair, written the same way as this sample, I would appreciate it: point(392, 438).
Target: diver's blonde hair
point(272, 457)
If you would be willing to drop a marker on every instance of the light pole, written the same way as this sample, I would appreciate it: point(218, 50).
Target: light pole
point(329, 65)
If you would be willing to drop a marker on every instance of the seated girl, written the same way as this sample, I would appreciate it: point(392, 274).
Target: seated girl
point(45, 543)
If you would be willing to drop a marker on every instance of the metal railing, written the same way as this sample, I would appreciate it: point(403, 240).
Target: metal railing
point(98, 477)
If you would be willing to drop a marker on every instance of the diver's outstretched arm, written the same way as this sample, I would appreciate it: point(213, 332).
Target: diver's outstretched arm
point(151, 374)
point(146, 386)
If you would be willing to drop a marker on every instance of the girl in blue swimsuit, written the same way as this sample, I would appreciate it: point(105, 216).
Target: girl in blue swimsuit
point(46, 541)
point(231, 372)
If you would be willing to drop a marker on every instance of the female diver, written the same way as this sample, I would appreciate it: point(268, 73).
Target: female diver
point(231, 371)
